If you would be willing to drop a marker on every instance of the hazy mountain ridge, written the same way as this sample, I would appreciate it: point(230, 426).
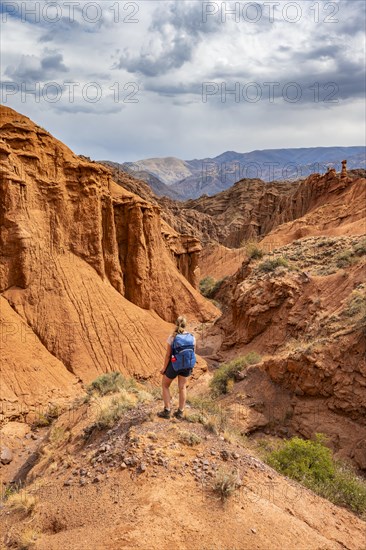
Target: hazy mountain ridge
point(169, 170)
point(212, 175)
point(154, 183)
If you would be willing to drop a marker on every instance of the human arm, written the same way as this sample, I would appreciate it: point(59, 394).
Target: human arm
point(167, 358)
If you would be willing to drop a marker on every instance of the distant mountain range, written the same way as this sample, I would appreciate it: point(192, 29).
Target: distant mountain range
point(156, 185)
point(186, 179)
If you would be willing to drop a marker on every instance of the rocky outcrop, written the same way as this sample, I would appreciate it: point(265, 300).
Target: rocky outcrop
point(86, 480)
point(302, 308)
point(314, 322)
point(184, 248)
point(243, 212)
point(333, 204)
point(186, 251)
point(6, 456)
point(149, 253)
point(251, 209)
point(130, 183)
point(81, 257)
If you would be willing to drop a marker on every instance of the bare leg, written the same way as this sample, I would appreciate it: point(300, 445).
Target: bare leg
point(166, 392)
point(182, 386)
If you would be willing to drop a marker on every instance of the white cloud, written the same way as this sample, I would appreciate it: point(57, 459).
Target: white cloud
point(162, 61)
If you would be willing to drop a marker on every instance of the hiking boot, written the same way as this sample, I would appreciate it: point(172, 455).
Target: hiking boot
point(178, 413)
point(164, 414)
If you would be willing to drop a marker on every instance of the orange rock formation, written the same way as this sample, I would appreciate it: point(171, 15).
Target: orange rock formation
point(87, 267)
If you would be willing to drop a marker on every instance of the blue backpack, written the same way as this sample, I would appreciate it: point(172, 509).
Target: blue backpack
point(183, 356)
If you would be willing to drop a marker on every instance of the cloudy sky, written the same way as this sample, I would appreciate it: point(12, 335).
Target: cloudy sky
point(126, 80)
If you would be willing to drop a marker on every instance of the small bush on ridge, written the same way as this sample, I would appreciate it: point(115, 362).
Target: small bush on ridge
point(208, 286)
point(225, 484)
point(220, 383)
point(109, 414)
point(111, 382)
point(253, 251)
point(360, 248)
point(189, 438)
point(344, 259)
point(21, 502)
point(270, 265)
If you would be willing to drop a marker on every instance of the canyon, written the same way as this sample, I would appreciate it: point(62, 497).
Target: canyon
point(89, 272)
point(96, 266)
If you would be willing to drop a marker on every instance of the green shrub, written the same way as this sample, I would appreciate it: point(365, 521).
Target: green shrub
point(356, 304)
point(144, 396)
point(360, 248)
point(345, 489)
point(41, 420)
point(154, 391)
point(304, 460)
point(344, 259)
point(253, 251)
point(312, 464)
point(58, 434)
point(204, 404)
point(225, 484)
point(21, 502)
point(108, 415)
point(196, 418)
point(218, 284)
point(270, 265)
point(226, 373)
point(216, 423)
point(208, 286)
point(27, 539)
point(208, 412)
point(212, 424)
point(189, 438)
point(111, 382)
point(53, 411)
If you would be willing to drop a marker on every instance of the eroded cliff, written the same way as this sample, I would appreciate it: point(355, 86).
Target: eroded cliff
point(302, 308)
point(251, 209)
point(86, 266)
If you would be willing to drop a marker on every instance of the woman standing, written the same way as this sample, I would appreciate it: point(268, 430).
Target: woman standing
point(170, 373)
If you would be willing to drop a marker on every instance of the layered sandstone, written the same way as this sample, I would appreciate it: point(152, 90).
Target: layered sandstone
point(251, 209)
point(332, 204)
point(183, 246)
point(306, 318)
point(244, 211)
point(81, 257)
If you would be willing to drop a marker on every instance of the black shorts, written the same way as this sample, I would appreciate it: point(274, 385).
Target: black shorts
point(171, 373)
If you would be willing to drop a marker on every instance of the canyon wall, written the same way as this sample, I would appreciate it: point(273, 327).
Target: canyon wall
point(302, 308)
point(251, 209)
point(86, 268)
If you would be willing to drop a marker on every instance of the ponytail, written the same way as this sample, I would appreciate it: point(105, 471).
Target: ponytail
point(180, 325)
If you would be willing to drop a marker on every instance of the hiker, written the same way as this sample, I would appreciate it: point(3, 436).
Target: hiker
point(179, 361)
